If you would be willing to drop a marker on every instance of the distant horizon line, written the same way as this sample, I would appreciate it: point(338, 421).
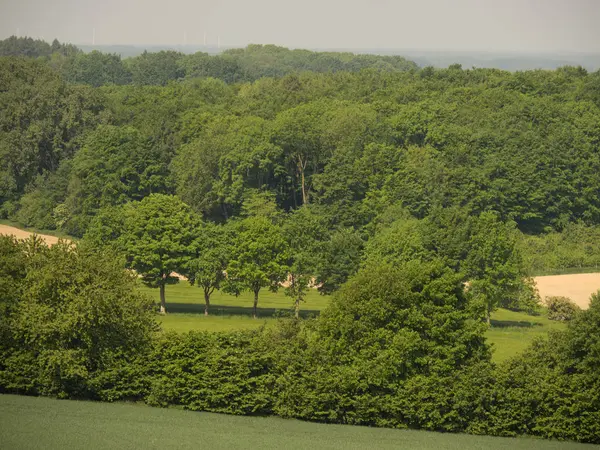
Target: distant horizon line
point(351, 49)
point(336, 49)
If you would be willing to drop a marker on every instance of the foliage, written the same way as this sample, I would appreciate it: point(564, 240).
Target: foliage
point(304, 232)
point(77, 313)
point(159, 231)
point(561, 308)
point(493, 266)
point(338, 259)
point(35, 48)
point(226, 373)
point(96, 69)
point(155, 68)
point(207, 265)
point(390, 335)
point(258, 258)
point(116, 165)
point(42, 122)
point(551, 390)
point(576, 247)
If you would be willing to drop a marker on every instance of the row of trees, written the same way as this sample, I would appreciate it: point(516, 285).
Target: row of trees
point(162, 239)
point(402, 344)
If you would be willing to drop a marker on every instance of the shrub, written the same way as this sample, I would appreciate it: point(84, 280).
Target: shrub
point(79, 313)
point(391, 350)
point(219, 372)
point(552, 389)
point(561, 308)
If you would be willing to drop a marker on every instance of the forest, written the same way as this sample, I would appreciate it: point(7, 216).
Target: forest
point(390, 186)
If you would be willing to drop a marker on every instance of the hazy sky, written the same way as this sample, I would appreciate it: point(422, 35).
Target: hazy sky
point(524, 25)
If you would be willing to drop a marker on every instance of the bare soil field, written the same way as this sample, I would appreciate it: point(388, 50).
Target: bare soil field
point(22, 234)
point(578, 287)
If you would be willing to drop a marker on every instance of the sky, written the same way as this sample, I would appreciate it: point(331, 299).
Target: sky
point(461, 25)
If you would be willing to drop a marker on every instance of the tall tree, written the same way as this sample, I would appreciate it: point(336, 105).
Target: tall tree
point(206, 266)
point(159, 232)
point(493, 264)
point(303, 231)
point(259, 257)
point(299, 133)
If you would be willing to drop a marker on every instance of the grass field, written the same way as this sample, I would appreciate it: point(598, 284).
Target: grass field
point(43, 423)
point(510, 334)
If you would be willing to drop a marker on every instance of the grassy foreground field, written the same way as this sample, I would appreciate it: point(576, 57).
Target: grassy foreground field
point(43, 423)
point(510, 334)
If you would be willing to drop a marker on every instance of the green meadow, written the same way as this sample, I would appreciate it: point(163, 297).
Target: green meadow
point(511, 332)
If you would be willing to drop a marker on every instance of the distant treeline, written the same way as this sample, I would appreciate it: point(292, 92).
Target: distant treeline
point(235, 65)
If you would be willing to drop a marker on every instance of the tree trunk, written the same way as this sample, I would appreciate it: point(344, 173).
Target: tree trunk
point(297, 307)
point(301, 168)
point(304, 199)
point(206, 302)
point(255, 303)
point(163, 303)
point(489, 317)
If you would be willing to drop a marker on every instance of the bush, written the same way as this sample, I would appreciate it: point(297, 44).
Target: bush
point(552, 389)
point(219, 372)
point(561, 308)
point(391, 350)
point(78, 314)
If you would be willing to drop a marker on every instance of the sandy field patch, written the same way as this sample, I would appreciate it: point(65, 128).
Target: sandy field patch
point(50, 240)
point(578, 287)
point(22, 234)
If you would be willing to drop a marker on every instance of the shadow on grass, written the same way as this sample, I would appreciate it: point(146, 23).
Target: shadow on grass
point(514, 324)
point(222, 310)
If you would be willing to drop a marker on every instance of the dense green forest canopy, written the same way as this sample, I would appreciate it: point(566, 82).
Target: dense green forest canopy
point(359, 140)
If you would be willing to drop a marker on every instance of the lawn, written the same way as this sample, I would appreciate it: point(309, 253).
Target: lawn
point(43, 423)
point(510, 334)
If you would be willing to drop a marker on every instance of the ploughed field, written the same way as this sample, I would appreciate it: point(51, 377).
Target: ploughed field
point(44, 423)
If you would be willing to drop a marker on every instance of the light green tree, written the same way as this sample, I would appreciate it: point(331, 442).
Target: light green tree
point(493, 264)
point(259, 258)
point(208, 263)
point(159, 232)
